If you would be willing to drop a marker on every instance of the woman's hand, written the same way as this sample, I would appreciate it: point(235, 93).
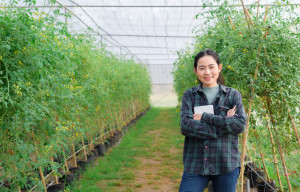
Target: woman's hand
point(231, 112)
point(197, 116)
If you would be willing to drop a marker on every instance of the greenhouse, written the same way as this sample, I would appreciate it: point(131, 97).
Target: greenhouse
point(102, 95)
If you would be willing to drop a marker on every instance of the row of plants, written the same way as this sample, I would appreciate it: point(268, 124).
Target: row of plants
point(258, 47)
point(57, 89)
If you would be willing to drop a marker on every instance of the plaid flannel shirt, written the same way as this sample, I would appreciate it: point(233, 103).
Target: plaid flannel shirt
point(211, 145)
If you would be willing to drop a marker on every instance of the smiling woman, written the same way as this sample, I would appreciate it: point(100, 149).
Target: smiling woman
point(211, 139)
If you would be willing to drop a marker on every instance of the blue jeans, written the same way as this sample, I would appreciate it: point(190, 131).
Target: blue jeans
point(221, 183)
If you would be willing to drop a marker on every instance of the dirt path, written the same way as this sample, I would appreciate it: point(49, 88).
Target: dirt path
point(159, 161)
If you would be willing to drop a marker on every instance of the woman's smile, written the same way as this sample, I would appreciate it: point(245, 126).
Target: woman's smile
point(207, 78)
point(208, 71)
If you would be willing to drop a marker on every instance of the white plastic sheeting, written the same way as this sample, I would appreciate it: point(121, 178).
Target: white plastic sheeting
point(150, 31)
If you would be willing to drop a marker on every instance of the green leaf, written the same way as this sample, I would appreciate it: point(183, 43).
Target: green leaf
point(6, 47)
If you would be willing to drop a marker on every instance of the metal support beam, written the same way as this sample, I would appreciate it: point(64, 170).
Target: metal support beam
point(148, 47)
point(140, 6)
point(137, 35)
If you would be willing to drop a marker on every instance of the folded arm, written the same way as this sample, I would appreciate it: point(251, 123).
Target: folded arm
point(230, 124)
point(195, 128)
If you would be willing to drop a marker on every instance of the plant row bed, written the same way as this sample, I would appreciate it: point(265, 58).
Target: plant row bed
point(84, 155)
point(59, 91)
point(98, 148)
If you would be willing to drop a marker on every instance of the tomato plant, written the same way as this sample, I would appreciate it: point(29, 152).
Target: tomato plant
point(56, 88)
point(271, 46)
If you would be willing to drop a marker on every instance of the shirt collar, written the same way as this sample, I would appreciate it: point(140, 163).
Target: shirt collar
point(200, 88)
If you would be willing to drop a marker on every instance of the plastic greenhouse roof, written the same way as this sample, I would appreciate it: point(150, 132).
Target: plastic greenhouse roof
point(150, 31)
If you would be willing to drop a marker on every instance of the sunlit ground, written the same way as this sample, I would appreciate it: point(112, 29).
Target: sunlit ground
point(163, 96)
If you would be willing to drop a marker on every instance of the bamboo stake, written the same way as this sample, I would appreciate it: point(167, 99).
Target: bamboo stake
point(124, 116)
point(100, 125)
point(278, 144)
point(66, 162)
point(245, 134)
point(257, 9)
point(109, 108)
point(249, 17)
point(102, 138)
point(55, 176)
point(84, 151)
point(244, 142)
point(294, 127)
point(40, 168)
point(245, 14)
point(248, 151)
point(233, 27)
point(119, 125)
point(262, 156)
point(91, 146)
point(265, 18)
point(134, 109)
point(274, 155)
point(129, 116)
point(99, 129)
point(74, 154)
point(43, 178)
point(264, 164)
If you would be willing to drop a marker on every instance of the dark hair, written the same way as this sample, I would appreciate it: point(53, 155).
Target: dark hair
point(215, 56)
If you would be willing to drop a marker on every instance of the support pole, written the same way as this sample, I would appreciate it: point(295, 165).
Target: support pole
point(66, 21)
point(264, 164)
point(66, 162)
point(40, 168)
point(245, 134)
point(247, 185)
point(293, 124)
point(55, 175)
point(74, 154)
point(84, 150)
point(245, 13)
point(278, 143)
point(249, 16)
point(274, 155)
point(233, 27)
point(257, 9)
point(265, 18)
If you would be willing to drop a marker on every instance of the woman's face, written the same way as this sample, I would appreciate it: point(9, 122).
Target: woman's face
point(208, 71)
